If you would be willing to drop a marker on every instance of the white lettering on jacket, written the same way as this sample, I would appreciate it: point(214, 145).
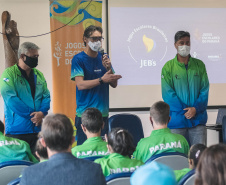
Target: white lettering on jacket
point(123, 169)
point(91, 153)
point(3, 143)
point(165, 146)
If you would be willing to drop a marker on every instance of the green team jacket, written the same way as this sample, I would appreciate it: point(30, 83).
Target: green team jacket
point(18, 100)
point(14, 149)
point(116, 163)
point(182, 88)
point(180, 173)
point(160, 141)
point(93, 146)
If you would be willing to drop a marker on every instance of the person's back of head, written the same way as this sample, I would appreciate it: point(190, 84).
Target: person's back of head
point(153, 173)
point(195, 154)
point(41, 151)
point(121, 142)
point(92, 120)
point(159, 114)
point(2, 127)
point(57, 132)
point(211, 167)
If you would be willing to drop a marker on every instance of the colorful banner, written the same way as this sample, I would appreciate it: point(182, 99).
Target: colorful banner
point(67, 42)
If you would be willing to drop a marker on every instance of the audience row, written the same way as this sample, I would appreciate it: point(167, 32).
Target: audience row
point(117, 153)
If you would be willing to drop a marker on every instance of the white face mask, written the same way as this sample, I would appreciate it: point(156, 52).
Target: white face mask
point(95, 46)
point(183, 50)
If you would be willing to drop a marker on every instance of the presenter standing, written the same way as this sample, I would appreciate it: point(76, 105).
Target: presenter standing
point(93, 73)
point(26, 96)
point(185, 87)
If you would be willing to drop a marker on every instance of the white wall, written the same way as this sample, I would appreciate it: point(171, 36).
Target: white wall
point(32, 17)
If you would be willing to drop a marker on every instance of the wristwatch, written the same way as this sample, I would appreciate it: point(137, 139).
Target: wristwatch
point(101, 81)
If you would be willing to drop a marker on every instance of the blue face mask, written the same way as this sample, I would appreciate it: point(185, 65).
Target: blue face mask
point(31, 62)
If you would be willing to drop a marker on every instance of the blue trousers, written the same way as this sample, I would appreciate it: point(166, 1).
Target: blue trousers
point(194, 135)
point(81, 137)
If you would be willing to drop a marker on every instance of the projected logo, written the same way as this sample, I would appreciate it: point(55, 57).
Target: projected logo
point(147, 45)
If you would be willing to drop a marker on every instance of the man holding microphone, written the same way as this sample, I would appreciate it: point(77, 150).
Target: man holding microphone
point(93, 73)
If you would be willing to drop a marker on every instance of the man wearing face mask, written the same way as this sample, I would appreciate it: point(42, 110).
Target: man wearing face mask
point(93, 74)
point(26, 96)
point(185, 87)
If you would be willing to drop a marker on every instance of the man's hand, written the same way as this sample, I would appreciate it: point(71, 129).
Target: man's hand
point(37, 118)
point(191, 112)
point(106, 62)
point(109, 77)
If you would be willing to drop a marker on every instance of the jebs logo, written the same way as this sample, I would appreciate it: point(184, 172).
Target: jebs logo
point(149, 43)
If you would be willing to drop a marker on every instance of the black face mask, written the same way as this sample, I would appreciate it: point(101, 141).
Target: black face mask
point(31, 62)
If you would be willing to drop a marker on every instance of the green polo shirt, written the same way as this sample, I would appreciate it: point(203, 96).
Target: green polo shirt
point(181, 173)
point(116, 163)
point(93, 146)
point(160, 141)
point(15, 149)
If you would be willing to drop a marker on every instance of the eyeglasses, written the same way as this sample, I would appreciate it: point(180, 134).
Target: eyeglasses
point(94, 39)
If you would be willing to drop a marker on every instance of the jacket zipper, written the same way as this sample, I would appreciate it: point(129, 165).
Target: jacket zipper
point(188, 91)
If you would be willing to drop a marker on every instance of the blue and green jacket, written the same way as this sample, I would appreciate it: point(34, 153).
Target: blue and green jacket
point(18, 100)
point(182, 88)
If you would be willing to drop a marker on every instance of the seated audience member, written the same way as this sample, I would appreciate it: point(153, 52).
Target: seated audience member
point(193, 158)
point(153, 173)
point(92, 123)
point(211, 167)
point(14, 149)
point(41, 151)
point(62, 167)
point(120, 145)
point(161, 139)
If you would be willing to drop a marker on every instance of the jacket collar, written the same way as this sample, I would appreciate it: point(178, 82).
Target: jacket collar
point(17, 71)
point(182, 64)
point(62, 155)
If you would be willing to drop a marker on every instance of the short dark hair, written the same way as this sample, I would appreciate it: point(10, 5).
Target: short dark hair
point(121, 141)
point(92, 119)
point(57, 131)
point(2, 127)
point(181, 34)
point(195, 152)
point(211, 167)
point(160, 112)
point(89, 31)
point(41, 150)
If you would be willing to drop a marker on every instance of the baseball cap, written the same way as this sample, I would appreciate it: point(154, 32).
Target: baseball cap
point(153, 173)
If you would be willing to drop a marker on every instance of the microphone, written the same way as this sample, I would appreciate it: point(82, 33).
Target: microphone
point(101, 50)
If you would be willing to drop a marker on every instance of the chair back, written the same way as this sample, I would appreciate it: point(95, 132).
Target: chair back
point(224, 129)
point(15, 182)
point(92, 158)
point(175, 160)
point(119, 179)
point(11, 170)
point(188, 179)
point(129, 122)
